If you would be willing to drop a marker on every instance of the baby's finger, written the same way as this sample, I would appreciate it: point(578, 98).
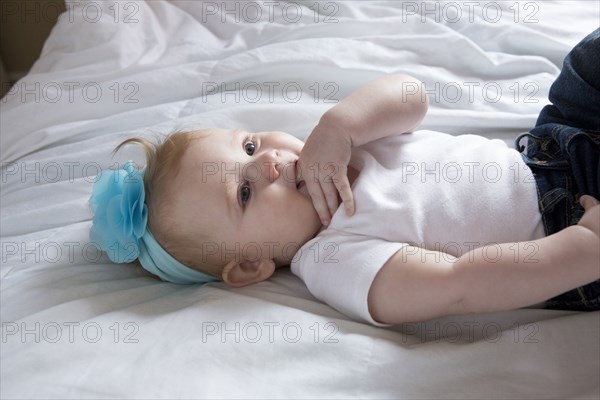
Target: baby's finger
point(318, 199)
point(588, 201)
point(331, 196)
point(343, 186)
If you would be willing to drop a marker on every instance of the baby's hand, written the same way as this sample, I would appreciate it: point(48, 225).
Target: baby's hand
point(323, 164)
point(591, 217)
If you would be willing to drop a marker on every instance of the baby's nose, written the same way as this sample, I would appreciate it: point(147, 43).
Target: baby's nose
point(273, 171)
point(271, 164)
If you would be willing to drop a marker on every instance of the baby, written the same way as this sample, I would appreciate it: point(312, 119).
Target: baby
point(431, 224)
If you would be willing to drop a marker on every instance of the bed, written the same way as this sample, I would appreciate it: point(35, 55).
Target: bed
point(75, 325)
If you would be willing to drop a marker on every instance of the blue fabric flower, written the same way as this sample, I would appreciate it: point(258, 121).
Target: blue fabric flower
point(120, 215)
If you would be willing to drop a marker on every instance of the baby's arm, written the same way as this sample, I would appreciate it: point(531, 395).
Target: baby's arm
point(391, 104)
point(417, 284)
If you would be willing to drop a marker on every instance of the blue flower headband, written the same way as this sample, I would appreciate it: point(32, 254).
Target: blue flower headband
point(120, 226)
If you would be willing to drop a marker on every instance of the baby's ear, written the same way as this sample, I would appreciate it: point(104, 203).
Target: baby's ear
point(246, 273)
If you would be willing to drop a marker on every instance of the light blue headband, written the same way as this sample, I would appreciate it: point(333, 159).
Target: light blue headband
point(120, 226)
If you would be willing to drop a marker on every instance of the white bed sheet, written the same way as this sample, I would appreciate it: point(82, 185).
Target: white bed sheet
point(75, 325)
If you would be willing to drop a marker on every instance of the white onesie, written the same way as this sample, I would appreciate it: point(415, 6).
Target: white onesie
point(429, 189)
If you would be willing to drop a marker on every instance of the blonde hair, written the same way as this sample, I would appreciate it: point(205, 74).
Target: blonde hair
point(163, 162)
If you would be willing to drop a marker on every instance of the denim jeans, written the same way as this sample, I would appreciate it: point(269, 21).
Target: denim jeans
point(563, 151)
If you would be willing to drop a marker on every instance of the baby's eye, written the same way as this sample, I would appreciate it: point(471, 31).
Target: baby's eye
point(249, 147)
point(245, 193)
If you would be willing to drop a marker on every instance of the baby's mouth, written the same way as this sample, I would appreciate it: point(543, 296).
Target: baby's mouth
point(299, 181)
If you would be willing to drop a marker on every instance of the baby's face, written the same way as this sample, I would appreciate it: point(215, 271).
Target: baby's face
point(241, 189)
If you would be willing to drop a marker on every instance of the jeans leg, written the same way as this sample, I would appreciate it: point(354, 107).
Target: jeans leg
point(569, 130)
point(575, 95)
